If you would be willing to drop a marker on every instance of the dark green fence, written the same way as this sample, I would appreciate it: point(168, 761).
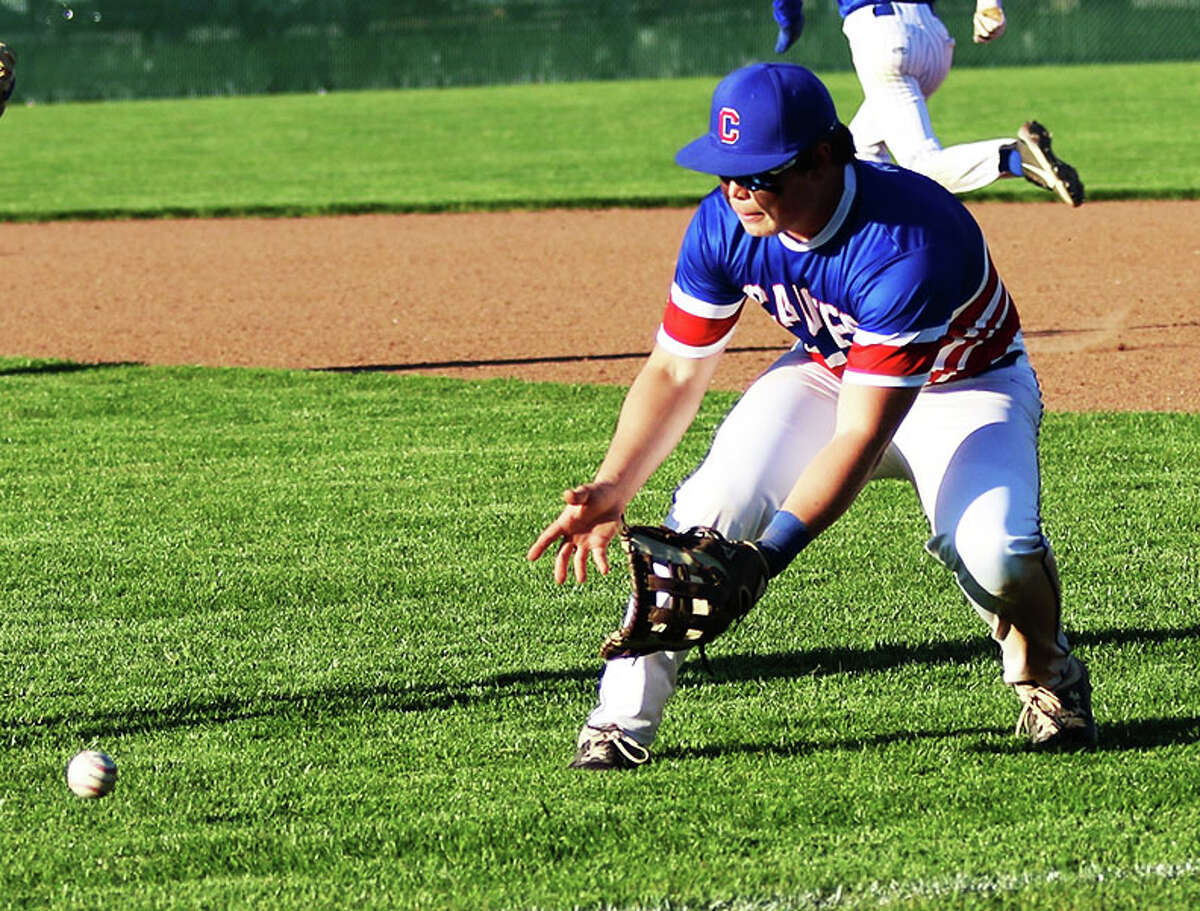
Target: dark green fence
point(95, 49)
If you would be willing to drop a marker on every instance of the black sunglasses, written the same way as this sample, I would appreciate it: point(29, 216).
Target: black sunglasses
point(765, 180)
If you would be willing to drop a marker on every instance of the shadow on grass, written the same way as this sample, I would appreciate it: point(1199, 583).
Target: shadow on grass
point(1118, 737)
point(1147, 733)
point(520, 685)
point(886, 656)
point(519, 361)
point(326, 703)
point(819, 662)
point(808, 747)
point(48, 367)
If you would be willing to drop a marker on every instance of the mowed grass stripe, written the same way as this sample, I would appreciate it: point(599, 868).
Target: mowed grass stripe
point(578, 144)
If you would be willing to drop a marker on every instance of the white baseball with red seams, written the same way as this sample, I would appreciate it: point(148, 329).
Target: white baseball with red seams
point(91, 773)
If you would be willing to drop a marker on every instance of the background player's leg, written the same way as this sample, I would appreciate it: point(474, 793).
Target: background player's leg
point(764, 443)
point(901, 60)
point(866, 129)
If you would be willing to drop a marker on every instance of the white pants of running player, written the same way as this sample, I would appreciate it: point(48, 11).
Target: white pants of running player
point(901, 60)
point(970, 449)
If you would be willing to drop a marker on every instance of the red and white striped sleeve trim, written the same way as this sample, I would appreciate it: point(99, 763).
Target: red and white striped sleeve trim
point(695, 328)
point(896, 359)
point(981, 331)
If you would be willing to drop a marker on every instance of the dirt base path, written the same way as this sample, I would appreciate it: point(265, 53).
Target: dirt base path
point(1109, 295)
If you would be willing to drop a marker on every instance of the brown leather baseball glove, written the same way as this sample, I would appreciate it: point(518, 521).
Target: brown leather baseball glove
point(7, 79)
point(689, 587)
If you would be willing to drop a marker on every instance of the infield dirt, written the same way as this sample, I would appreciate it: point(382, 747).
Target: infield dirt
point(1109, 295)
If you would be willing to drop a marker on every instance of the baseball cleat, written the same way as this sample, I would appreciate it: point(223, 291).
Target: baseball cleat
point(1058, 719)
point(1045, 169)
point(608, 747)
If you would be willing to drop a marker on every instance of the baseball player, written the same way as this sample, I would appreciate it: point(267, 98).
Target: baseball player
point(909, 363)
point(902, 53)
point(7, 80)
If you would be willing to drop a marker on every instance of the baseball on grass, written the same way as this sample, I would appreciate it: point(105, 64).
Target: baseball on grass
point(91, 773)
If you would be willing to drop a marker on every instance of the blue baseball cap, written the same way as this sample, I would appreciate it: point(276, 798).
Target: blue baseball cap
point(763, 116)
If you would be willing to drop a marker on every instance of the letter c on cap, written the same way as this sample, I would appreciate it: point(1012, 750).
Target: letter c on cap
point(727, 122)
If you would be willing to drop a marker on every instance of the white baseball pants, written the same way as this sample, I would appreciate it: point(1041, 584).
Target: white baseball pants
point(970, 450)
point(901, 59)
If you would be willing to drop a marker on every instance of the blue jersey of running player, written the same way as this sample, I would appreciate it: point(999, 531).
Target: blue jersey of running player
point(897, 290)
point(846, 7)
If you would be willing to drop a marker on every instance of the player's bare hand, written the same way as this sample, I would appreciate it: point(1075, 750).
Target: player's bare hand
point(584, 528)
point(989, 23)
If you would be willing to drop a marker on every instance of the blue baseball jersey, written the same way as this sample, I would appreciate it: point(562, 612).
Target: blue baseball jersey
point(846, 7)
point(898, 289)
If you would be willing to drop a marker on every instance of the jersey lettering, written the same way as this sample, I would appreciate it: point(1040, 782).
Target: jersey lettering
point(829, 331)
point(812, 313)
point(756, 294)
point(785, 313)
point(840, 326)
point(893, 299)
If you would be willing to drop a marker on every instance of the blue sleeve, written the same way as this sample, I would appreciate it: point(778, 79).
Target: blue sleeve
point(701, 271)
point(789, 14)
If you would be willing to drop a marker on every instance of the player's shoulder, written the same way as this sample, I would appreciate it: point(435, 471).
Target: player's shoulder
point(910, 207)
point(909, 232)
point(882, 184)
point(714, 225)
point(714, 211)
point(713, 242)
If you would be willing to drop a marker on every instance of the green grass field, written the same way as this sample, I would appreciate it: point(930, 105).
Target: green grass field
point(294, 606)
point(579, 144)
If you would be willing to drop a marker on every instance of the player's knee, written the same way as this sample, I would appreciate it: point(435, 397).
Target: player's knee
point(1002, 568)
point(998, 570)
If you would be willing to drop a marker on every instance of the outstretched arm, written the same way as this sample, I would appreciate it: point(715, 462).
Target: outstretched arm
point(659, 407)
